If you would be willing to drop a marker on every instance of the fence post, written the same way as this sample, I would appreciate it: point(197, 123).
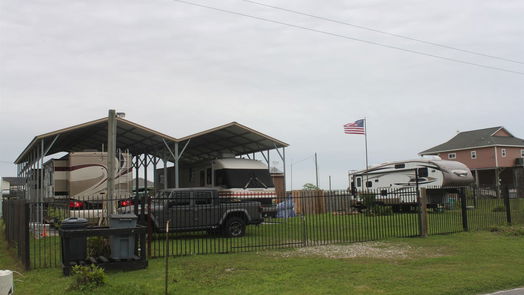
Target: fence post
point(423, 212)
point(26, 253)
point(149, 227)
point(463, 205)
point(506, 204)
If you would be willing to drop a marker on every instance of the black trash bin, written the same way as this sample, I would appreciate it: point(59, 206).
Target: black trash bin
point(74, 249)
point(123, 246)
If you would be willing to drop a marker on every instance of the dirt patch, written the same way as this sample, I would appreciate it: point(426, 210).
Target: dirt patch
point(368, 249)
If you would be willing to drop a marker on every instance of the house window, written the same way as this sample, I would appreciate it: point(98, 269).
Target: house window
point(473, 155)
point(503, 152)
point(452, 156)
point(522, 153)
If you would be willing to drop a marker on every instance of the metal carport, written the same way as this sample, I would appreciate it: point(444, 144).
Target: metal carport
point(147, 147)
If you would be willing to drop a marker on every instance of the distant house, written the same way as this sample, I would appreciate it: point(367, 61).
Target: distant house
point(11, 185)
point(494, 155)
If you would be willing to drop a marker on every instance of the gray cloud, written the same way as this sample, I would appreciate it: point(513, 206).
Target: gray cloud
point(181, 69)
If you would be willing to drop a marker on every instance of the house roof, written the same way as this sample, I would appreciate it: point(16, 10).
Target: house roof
point(14, 181)
point(476, 138)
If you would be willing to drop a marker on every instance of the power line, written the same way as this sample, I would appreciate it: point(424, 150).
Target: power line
point(384, 32)
point(352, 38)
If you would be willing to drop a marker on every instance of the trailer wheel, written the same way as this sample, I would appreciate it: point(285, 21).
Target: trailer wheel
point(235, 227)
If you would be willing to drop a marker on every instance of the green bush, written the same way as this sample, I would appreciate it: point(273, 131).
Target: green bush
point(98, 246)
point(369, 200)
point(87, 277)
point(56, 215)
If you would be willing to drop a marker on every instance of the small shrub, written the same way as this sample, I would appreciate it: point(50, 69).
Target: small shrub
point(56, 215)
point(98, 246)
point(369, 200)
point(87, 277)
point(499, 209)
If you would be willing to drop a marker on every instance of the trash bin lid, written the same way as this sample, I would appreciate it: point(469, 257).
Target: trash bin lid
point(123, 216)
point(74, 220)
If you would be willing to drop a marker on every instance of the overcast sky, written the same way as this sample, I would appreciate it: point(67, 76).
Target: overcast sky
point(180, 69)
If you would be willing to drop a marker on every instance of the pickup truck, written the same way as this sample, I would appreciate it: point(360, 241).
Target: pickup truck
point(198, 209)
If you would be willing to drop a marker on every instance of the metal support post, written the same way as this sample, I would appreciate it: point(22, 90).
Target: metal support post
point(111, 153)
point(177, 167)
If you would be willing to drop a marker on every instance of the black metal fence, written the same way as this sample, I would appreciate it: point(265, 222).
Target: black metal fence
point(201, 223)
point(15, 214)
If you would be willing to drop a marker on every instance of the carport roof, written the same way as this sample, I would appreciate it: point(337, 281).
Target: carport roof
point(231, 138)
point(137, 139)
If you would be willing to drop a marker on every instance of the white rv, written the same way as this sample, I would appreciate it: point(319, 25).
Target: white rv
point(235, 178)
point(396, 181)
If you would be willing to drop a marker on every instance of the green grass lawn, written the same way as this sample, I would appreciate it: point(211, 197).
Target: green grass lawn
point(462, 263)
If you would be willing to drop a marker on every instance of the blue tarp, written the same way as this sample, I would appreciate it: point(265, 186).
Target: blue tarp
point(286, 208)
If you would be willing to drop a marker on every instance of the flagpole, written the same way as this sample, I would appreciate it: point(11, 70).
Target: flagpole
point(366, 140)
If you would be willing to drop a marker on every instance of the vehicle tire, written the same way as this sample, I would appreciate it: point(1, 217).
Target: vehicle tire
point(234, 227)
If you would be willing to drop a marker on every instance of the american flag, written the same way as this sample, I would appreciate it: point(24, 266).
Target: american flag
point(356, 127)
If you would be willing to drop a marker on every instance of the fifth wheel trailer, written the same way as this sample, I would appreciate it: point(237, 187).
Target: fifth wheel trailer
point(400, 178)
point(80, 179)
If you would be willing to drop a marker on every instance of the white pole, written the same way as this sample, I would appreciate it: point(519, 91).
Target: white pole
point(366, 143)
point(366, 140)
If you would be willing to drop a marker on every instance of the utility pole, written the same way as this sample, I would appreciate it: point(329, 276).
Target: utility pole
point(330, 182)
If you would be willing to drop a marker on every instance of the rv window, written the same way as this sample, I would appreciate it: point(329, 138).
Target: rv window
point(203, 198)
point(422, 172)
point(240, 178)
point(202, 178)
point(359, 182)
point(208, 176)
point(369, 184)
point(400, 166)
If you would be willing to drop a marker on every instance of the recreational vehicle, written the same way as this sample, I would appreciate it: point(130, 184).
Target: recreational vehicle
point(234, 178)
point(80, 178)
point(396, 182)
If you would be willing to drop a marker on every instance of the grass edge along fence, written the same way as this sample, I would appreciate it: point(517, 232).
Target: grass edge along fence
point(304, 218)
